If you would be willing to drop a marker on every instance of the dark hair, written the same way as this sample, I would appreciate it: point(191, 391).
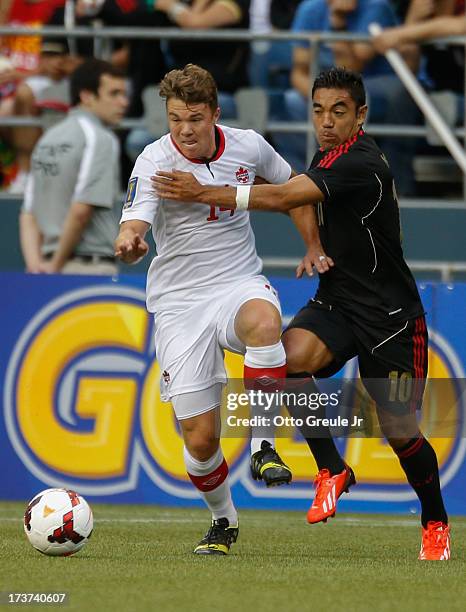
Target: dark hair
point(87, 77)
point(340, 78)
point(192, 84)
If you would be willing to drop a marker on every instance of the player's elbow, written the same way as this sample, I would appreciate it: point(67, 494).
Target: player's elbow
point(276, 202)
point(283, 202)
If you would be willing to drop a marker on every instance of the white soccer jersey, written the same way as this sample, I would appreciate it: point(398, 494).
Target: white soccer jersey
point(200, 250)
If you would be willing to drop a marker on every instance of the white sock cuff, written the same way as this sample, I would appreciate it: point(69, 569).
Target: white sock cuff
point(200, 468)
point(265, 356)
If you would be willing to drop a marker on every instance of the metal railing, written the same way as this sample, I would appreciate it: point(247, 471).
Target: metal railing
point(313, 38)
point(446, 270)
point(431, 114)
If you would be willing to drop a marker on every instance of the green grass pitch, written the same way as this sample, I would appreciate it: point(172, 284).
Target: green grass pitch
point(139, 558)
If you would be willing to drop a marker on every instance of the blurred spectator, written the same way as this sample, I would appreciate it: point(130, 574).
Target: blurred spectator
point(282, 13)
point(227, 61)
point(68, 222)
point(73, 13)
point(24, 51)
point(142, 59)
point(445, 63)
point(8, 78)
point(8, 167)
point(20, 58)
point(270, 64)
point(389, 102)
point(32, 95)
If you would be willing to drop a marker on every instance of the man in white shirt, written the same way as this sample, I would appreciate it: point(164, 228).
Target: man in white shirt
point(205, 286)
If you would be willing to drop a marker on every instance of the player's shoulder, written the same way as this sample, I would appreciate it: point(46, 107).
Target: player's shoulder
point(354, 155)
point(247, 141)
point(370, 156)
point(239, 134)
point(159, 152)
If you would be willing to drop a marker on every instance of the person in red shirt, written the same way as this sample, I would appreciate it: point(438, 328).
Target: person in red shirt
point(21, 55)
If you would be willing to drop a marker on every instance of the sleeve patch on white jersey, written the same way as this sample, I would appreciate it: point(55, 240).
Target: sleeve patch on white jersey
point(131, 193)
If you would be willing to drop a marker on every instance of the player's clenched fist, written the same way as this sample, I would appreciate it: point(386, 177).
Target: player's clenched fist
point(130, 245)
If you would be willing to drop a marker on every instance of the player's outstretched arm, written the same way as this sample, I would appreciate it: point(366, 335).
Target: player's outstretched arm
point(184, 187)
point(130, 245)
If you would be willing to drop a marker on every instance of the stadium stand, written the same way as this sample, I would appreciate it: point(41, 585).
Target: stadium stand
point(435, 173)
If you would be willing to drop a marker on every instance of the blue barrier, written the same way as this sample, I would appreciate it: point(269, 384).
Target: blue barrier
point(82, 407)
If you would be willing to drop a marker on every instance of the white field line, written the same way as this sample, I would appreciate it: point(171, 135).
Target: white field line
point(125, 520)
point(348, 520)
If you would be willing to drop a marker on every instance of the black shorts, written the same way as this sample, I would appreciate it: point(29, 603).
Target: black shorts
point(395, 351)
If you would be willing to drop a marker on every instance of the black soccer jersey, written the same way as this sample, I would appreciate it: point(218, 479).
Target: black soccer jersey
point(359, 228)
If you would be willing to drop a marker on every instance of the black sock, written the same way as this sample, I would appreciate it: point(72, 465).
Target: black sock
point(321, 442)
point(419, 462)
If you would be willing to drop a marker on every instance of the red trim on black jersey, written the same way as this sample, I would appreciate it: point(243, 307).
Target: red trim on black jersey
point(218, 151)
point(419, 348)
point(337, 152)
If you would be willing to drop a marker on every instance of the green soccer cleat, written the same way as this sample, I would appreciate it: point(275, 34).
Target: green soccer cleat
point(267, 465)
point(218, 539)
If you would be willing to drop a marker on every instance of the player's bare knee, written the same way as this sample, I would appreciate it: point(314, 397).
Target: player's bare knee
point(265, 332)
point(258, 323)
point(308, 356)
point(202, 447)
point(296, 359)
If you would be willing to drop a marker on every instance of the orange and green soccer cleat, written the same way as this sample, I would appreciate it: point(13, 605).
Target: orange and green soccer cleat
point(328, 490)
point(435, 542)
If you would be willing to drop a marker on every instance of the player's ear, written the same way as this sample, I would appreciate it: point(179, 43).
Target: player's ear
point(362, 114)
point(216, 115)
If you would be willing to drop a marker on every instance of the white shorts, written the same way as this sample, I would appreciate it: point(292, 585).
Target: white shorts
point(190, 343)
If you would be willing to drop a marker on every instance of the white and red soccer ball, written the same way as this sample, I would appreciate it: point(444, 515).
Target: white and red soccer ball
point(58, 522)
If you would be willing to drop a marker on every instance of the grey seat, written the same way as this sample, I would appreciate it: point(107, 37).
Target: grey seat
point(445, 102)
point(252, 107)
point(155, 114)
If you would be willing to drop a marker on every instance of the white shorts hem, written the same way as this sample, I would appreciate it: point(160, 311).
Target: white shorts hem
point(197, 413)
point(192, 388)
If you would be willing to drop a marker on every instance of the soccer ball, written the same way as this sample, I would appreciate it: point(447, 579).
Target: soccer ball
point(58, 522)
